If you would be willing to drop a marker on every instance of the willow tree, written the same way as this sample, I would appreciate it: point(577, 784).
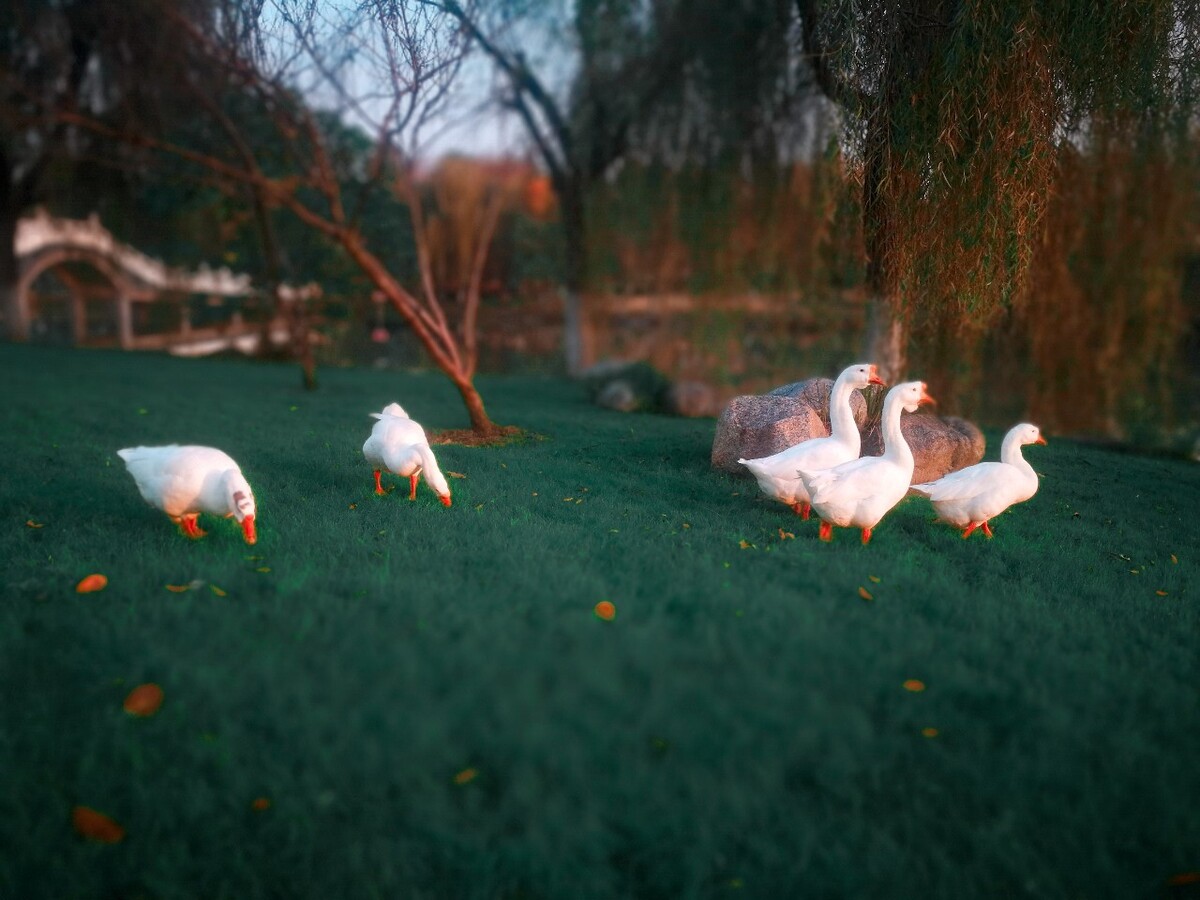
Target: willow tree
point(956, 114)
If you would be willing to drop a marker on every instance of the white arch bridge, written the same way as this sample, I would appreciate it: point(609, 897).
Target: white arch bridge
point(78, 284)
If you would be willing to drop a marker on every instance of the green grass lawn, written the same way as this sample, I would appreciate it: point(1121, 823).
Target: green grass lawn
point(740, 729)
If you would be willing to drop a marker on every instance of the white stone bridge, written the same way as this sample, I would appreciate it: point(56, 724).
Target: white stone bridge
point(97, 270)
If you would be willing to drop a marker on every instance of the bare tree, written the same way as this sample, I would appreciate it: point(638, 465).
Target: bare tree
point(384, 66)
point(582, 130)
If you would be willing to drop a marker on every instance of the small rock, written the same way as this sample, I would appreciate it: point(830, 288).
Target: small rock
point(691, 398)
point(619, 395)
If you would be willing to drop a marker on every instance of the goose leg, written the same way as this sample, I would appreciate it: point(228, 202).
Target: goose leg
point(826, 531)
point(967, 531)
point(412, 487)
point(191, 529)
point(987, 530)
point(866, 537)
point(378, 487)
point(801, 509)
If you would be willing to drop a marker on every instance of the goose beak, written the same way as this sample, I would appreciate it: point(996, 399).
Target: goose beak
point(445, 499)
point(925, 398)
point(248, 530)
point(875, 379)
point(1040, 440)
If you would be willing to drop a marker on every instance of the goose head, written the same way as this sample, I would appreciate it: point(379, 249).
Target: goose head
point(1030, 434)
point(241, 504)
point(860, 375)
point(912, 394)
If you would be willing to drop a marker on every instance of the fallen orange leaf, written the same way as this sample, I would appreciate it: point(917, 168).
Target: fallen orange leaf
point(864, 593)
point(29, 523)
point(786, 535)
point(90, 584)
point(144, 700)
point(1161, 593)
point(1184, 878)
point(96, 826)
point(929, 732)
point(455, 474)
point(466, 776)
point(605, 610)
point(216, 590)
point(178, 588)
point(914, 684)
point(745, 544)
point(260, 804)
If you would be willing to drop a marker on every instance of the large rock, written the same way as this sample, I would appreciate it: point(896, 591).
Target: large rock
point(939, 444)
point(759, 425)
point(753, 426)
point(814, 392)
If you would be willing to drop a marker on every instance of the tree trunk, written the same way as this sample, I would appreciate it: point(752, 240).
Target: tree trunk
point(16, 321)
point(577, 344)
point(481, 423)
point(887, 339)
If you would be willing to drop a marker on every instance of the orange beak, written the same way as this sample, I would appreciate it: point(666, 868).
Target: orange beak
point(925, 398)
point(875, 379)
point(445, 499)
point(248, 530)
point(1040, 440)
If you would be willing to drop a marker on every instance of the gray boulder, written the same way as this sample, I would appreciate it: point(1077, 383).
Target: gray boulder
point(762, 424)
point(754, 425)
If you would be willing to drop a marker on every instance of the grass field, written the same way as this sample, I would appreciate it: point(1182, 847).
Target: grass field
point(432, 709)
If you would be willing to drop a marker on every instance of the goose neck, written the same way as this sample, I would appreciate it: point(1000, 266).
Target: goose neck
point(841, 416)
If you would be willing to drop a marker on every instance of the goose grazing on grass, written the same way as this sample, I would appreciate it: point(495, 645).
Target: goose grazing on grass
point(970, 497)
point(858, 493)
point(398, 444)
point(186, 481)
point(777, 474)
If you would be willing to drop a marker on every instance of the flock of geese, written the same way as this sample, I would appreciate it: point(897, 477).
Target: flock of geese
point(823, 474)
point(827, 474)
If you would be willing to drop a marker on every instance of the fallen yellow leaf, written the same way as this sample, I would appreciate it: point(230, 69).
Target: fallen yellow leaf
point(96, 826)
point(786, 535)
point(466, 776)
point(29, 523)
point(354, 506)
point(263, 569)
point(144, 700)
point(92, 583)
point(178, 588)
point(874, 578)
point(864, 593)
point(745, 544)
point(914, 685)
point(455, 474)
point(1174, 559)
point(216, 590)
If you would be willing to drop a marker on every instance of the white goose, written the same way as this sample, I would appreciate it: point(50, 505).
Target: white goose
point(860, 492)
point(970, 497)
point(398, 444)
point(186, 481)
point(777, 474)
